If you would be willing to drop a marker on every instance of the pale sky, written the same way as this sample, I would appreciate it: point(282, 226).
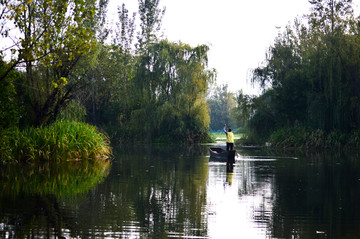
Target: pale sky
point(239, 32)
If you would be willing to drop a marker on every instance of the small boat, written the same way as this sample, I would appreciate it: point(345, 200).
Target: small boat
point(220, 154)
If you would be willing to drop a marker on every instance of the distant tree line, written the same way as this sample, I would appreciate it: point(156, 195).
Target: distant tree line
point(62, 62)
point(310, 81)
point(222, 107)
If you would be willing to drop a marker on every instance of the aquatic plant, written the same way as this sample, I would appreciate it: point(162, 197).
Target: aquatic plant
point(63, 140)
point(354, 140)
point(304, 137)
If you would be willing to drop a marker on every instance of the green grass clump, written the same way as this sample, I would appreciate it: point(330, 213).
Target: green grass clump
point(63, 140)
point(302, 137)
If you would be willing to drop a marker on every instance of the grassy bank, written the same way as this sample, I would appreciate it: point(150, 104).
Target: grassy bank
point(222, 137)
point(63, 140)
point(307, 138)
point(301, 137)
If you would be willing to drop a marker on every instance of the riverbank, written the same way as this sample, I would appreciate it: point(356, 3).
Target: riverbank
point(61, 141)
point(305, 138)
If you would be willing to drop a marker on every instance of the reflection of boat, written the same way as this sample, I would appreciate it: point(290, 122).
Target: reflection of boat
point(222, 155)
point(229, 177)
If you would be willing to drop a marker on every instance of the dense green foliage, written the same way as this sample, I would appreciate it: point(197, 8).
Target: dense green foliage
point(311, 77)
point(150, 91)
point(60, 141)
point(10, 108)
point(135, 85)
point(142, 88)
point(46, 39)
point(305, 137)
point(156, 96)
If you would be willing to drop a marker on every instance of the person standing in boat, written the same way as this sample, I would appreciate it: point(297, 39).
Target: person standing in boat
point(229, 139)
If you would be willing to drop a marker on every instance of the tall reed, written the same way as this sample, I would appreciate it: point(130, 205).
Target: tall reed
point(63, 140)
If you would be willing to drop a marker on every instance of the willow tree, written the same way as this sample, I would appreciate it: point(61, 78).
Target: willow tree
point(172, 92)
point(313, 71)
point(334, 32)
point(51, 37)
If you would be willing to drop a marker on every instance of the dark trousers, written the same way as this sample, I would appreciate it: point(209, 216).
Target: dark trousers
point(229, 146)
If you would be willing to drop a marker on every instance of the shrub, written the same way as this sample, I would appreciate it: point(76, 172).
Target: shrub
point(354, 140)
point(299, 137)
point(336, 139)
point(289, 137)
point(63, 140)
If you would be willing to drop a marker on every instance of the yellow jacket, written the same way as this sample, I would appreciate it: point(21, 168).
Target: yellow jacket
point(229, 137)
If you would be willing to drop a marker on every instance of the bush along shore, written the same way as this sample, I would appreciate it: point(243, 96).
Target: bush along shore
point(62, 140)
point(306, 138)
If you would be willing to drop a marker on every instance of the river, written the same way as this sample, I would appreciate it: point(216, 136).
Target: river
point(177, 192)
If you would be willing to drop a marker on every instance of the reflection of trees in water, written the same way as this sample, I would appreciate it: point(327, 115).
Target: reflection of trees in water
point(323, 193)
point(314, 196)
point(157, 192)
point(150, 193)
point(257, 185)
point(31, 196)
point(35, 216)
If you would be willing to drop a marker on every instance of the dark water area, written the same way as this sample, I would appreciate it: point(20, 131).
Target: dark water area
point(178, 192)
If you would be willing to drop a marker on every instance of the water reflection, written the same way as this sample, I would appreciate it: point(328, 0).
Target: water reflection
point(314, 195)
point(50, 178)
point(31, 196)
point(164, 189)
point(239, 203)
point(178, 192)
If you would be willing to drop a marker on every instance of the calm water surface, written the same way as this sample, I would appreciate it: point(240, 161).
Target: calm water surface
point(172, 192)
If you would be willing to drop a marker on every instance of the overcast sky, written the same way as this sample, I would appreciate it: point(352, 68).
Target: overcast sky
point(239, 32)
